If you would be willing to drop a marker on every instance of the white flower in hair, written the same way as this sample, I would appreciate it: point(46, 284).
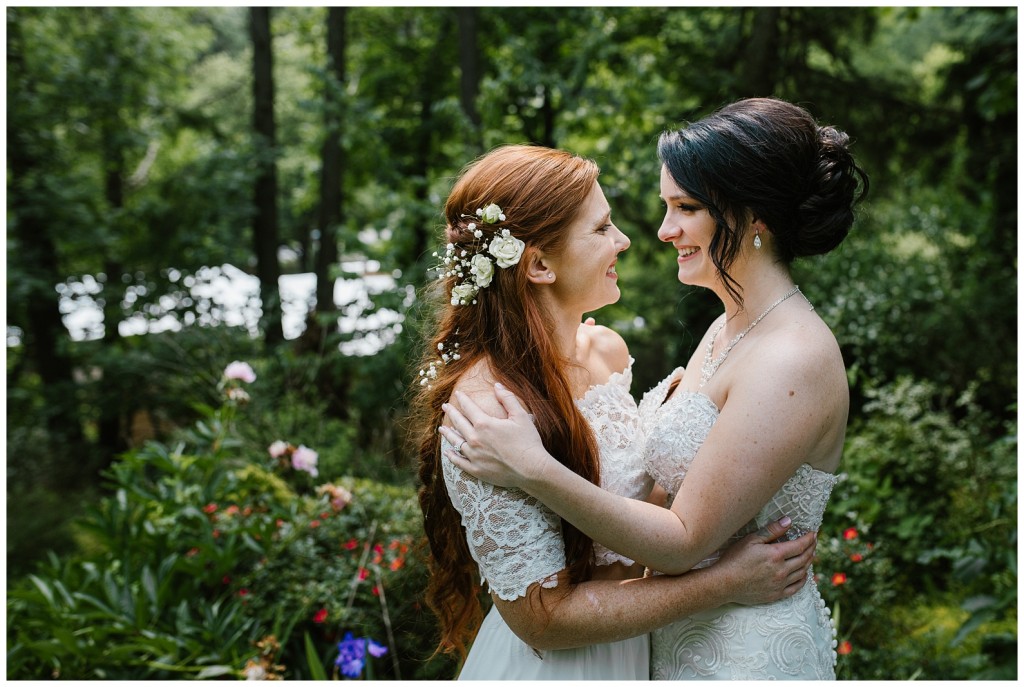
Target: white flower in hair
point(507, 249)
point(463, 293)
point(482, 269)
point(491, 214)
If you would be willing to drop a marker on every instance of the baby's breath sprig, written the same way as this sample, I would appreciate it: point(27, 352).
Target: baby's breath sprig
point(429, 374)
point(472, 267)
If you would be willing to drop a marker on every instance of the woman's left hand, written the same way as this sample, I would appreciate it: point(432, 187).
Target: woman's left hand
point(506, 452)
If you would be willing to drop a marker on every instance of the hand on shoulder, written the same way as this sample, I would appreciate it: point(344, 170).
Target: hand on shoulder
point(478, 383)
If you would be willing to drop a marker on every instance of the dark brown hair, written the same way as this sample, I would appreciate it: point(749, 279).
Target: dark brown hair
point(540, 191)
point(768, 159)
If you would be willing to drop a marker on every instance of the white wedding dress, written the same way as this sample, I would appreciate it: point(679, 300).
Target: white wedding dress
point(786, 640)
point(517, 541)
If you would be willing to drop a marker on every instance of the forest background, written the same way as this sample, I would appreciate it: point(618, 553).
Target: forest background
point(170, 515)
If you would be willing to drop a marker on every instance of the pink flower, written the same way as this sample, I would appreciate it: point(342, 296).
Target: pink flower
point(240, 371)
point(305, 459)
point(277, 449)
point(314, 524)
point(210, 508)
point(351, 544)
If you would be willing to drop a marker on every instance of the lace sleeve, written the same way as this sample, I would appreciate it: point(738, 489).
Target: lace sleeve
point(515, 539)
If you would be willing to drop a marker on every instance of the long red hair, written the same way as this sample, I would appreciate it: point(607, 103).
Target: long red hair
point(540, 190)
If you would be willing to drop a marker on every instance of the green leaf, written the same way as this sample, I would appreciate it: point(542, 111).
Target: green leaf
point(214, 671)
point(316, 666)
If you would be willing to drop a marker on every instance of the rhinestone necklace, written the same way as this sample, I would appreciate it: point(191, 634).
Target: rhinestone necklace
point(709, 366)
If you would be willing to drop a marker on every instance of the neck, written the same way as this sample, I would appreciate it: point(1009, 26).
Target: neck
point(566, 325)
point(760, 287)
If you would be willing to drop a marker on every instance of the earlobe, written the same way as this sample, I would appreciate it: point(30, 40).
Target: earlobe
point(538, 271)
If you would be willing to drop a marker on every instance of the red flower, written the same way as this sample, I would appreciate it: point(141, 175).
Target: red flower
point(225, 580)
point(377, 558)
point(397, 563)
point(844, 648)
point(393, 545)
point(850, 533)
point(376, 592)
point(324, 515)
point(231, 510)
point(377, 548)
point(243, 592)
point(279, 522)
point(363, 574)
point(216, 534)
point(856, 557)
point(838, 579)
point(351, 544)
point(320, 616)
point(192, 552)
point(210, 508)
point(314, 524)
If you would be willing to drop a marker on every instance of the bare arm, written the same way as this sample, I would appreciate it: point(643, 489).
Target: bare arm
point(598, 611)
point(764, 432)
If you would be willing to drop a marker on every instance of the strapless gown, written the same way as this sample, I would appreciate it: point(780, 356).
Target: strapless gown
point(789, 639)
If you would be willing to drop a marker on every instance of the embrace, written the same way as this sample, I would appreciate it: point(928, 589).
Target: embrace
point(670, 539)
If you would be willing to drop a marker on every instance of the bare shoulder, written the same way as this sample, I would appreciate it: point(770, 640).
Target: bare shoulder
point(804, 353)
point(605, 348)
point(478, 383)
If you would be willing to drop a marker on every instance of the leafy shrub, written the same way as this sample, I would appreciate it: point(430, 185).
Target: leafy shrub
point(214, 560)
point(926, 510)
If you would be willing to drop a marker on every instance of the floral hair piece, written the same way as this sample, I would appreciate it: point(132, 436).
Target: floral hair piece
point(472, 267)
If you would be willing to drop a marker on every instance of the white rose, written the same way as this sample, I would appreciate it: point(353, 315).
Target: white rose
point(491, 214)
point(463, 293)
point(507, 249)
point(482, 270)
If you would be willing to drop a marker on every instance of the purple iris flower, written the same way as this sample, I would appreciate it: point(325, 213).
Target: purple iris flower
point(352, 654)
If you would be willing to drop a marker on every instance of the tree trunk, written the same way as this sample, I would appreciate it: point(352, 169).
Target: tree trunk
point(761, 56)
point(332, 162)
point(264, 226)
point(469, 67)
point(111, 440)
point(37, 259)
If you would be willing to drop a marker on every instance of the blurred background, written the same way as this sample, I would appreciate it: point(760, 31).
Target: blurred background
point(189, 187)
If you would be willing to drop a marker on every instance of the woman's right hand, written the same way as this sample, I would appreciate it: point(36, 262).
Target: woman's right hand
point(761, 571)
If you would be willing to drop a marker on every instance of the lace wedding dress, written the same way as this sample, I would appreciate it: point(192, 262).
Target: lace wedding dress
point(517, 541)
point(786, 640)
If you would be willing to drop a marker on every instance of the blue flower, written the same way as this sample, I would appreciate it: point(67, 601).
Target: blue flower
point(352, 654)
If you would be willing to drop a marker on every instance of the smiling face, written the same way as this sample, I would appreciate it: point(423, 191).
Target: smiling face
point(689, 227)
point(584, 270)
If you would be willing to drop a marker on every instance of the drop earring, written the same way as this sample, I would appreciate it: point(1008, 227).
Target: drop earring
point(757, 240)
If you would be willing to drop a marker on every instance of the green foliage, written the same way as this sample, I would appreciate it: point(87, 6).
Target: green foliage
point(210, 560)
point(928, 503)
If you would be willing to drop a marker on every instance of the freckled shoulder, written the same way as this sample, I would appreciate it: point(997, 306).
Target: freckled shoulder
point(478, 383)
point(607, 349)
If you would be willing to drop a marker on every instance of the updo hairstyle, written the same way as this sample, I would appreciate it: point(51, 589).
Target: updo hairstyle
point(767, 159)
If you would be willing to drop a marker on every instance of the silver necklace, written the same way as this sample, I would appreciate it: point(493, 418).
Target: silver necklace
point(709, 366)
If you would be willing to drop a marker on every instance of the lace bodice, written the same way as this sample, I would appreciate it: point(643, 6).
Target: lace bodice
point(677, 428)
point(793, 638)
point(515, 539)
